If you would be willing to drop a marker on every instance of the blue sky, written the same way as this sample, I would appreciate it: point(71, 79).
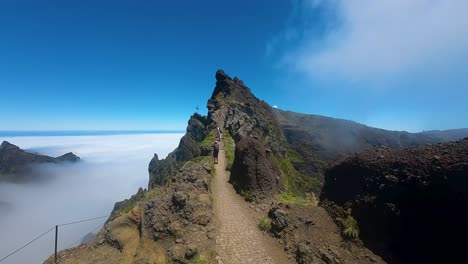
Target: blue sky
point(113, 65)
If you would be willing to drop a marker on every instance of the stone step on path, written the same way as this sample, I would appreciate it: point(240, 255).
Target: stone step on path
point(239, 240)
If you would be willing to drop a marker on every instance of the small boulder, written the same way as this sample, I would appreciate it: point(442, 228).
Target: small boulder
point(304, 254)
point(279, 219)
point(179, 200)
point(191, 251)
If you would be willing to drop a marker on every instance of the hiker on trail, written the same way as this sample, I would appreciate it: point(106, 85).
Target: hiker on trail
point(215, 152)
point(219, 133)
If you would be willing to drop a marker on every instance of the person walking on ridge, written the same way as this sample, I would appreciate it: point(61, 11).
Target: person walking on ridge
point(215, 152)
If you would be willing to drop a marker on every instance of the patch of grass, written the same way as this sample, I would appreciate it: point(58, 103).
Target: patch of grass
point(248, 195)
point(290, 198)
point(229, 149)
point(293, 155)
point(152, 193)
point(349, 227)
point(295, 182)
point(265, 224)
point(128, 207)
point(208, 141)
point(196, 160)
point(200, 260)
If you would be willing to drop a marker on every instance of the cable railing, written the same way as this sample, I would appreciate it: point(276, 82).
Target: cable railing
point(56, 227)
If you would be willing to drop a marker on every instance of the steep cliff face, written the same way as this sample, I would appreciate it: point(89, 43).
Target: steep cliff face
point(232, 106)
point(172, 221)
point(17, 164)
point(189, 147)
point(410, 204)
point(169, 224)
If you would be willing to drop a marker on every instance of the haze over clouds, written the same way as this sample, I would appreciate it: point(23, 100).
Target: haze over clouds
point(369, 40)
point(112, 169)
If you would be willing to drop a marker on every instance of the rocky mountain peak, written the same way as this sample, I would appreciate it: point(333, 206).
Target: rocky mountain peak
point(221, 75)
point(235, 108)
point(8, 146)
point(70, 156)
point(232, 90)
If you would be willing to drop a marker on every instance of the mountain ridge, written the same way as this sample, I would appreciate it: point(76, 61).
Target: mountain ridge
point(16, 164)
point(277, 162)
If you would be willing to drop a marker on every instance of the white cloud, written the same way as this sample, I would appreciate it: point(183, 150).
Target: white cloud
point(112, 169)
point(275, 106)
point(384, 38)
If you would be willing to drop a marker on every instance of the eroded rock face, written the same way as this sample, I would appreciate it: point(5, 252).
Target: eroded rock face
point(254, 169)
point(196, 131)
point(189, 148)
point(407, 202)
point(170, 224)
point(160, 170)
point(232, 106)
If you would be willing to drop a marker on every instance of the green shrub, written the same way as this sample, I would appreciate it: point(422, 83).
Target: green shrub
point(349, 227)
point(248, 195)
point(199, 260)
point(292, 198)
point(208, 141)
point(265, 224)
point(152, 193)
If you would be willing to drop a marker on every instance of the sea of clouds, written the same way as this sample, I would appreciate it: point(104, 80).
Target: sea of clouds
point(112, 168)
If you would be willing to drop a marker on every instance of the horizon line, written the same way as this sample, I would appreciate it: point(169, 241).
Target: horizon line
point(20, 133)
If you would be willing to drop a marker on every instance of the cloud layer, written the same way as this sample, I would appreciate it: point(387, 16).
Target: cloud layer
point(368, 39)
point(112, 169)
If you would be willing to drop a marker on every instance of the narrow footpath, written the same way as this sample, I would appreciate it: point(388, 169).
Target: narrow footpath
point(239, 240)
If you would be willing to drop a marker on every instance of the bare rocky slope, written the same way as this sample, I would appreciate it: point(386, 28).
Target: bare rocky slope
point(277, 161)
point(16, 164)
point(410, 204)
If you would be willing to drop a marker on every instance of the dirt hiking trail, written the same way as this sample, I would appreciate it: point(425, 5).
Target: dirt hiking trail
point(239, 240)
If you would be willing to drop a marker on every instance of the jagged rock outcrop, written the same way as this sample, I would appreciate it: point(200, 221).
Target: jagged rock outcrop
point(189, 148)
point(232, 106)
point(407, 202)
point(16, 164)
point(254, 169)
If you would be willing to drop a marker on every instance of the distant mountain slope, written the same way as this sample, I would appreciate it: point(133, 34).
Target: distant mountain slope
point(330, 137)
point(447, 135)
point(320, 139)
point(15, 163)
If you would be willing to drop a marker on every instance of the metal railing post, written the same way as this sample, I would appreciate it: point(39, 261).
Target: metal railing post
point(56, 238)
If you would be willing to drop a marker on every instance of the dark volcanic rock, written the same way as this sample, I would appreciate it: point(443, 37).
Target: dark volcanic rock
point(407, 202)
point(233, 106)
point(179, 200)
point(160, 170)
point(279, 219)
point(196, 131)
point(189, 148)
point(16, 163)
point(254, 169)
